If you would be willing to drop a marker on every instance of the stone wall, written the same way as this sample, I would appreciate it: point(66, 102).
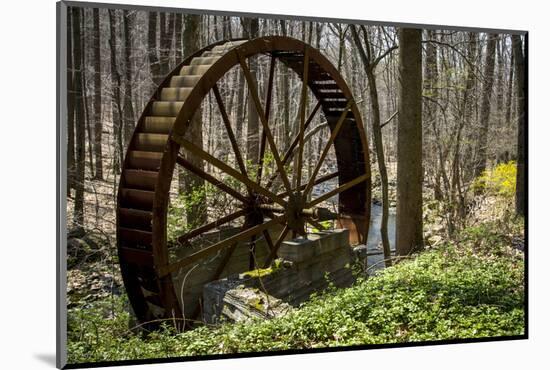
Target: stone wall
point(306, 266)
point(189, 281)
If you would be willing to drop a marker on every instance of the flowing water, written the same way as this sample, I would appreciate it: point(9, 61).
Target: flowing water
point(374, 240)
point(373, 250)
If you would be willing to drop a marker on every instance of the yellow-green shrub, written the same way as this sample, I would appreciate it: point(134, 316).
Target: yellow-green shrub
point(499, 180)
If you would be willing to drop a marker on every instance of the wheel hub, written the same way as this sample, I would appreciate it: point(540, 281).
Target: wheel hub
point(295, 217)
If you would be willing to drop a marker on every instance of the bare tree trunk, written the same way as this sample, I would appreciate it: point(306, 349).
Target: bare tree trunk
point(70, 105)
point(253, 123)
point(430, 107)
point(166, 38)
point(163, 59)
point(153, 48)
point(85, 102)
point(485, 114)
point(521, 122)
point(465, 116)
point(366, 57)
point(240, 107)
point(470, 108)
point(310, 143)
point(409, 144)
point(216, 31)
point(116, 103)
point(98, 127)
point(509, 92)
point(341, 47)
point(500, 80)
point(188, 182)
point(178, 29)
point(226, 28)
point(79, 121)
point(285, 95)
point(129, 120)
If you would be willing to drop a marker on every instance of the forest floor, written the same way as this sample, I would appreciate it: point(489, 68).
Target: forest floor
point(92, 262)
point(468, 286)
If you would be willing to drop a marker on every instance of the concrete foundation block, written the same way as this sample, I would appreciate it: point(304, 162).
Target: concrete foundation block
point(296, 250)
point(308, 266)
point(301, 249)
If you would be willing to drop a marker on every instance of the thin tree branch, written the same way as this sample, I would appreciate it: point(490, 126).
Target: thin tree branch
point(389, 119)
point(383, 55)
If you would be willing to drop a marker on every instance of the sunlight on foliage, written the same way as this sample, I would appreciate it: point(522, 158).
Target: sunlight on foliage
point(500, 180)
point(327, 225)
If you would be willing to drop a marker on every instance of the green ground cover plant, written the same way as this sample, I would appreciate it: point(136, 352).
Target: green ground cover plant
point(470, 288)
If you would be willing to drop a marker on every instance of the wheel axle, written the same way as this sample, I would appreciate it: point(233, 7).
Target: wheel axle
point(316, 213)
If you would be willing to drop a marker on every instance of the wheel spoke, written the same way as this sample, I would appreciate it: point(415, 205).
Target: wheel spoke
point(338, 190)
point(254, 94)
point(202, 229)
point(333, 135)
point(167, 269)
point(226, 258)
point(224, 261)
point(317, 182)
point(267, 110)
point(218, 271)
point(226, 168)
point(268, 240)
point(290, 151)
point(298, 171)
point(211, 179)
point(229, 130)
point(276, 246)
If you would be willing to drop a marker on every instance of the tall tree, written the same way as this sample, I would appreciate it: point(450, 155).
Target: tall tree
point(251, 28)
point(409, 236)
point(178, 29)
point(509, 91)
point(116, 102)
point(190, 183)
point(430, 82)
point(129, 120)
point(227, 28)
point(240, 111)
point(216, 30)
point(370, 61)
point(519, 58)
point(152, 46)
point(80, 128)
point(500, 79)
point(70, 104)
point(85, 102)
point(167, 21)
point(466, 110)
point(98, 127)
point(485, 113)
point(284, 80)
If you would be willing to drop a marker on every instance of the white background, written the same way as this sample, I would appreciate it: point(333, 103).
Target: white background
point(27, 180)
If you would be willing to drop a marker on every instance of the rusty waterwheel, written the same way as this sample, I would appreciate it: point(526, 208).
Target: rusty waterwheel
point(269, 202)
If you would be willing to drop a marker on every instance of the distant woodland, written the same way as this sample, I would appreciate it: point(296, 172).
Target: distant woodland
point(472, 99)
